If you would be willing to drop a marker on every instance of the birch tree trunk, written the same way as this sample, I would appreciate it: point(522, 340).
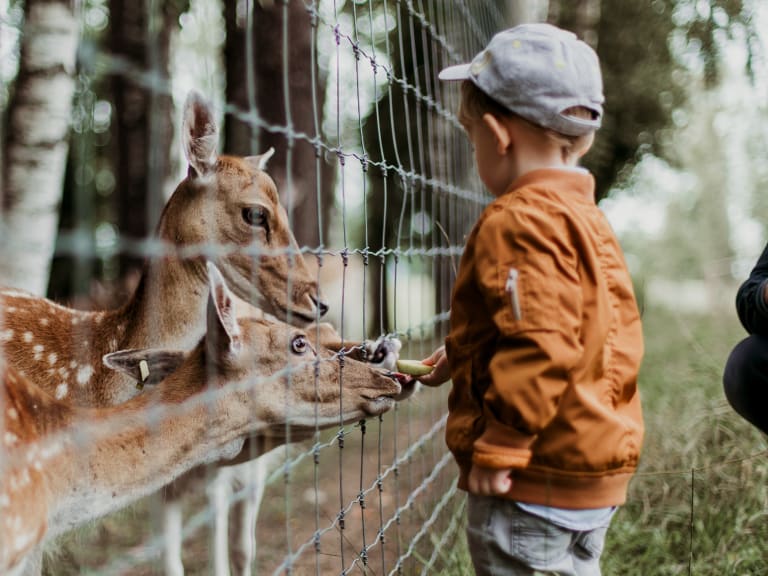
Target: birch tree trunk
point(37, 143)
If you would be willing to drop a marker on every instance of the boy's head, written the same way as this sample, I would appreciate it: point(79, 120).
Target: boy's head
point(538, 72)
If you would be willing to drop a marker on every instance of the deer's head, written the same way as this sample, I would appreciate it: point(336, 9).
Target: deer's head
point(280, 378)
point(231, 206)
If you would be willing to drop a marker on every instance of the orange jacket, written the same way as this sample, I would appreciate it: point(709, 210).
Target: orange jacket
point(545, 347)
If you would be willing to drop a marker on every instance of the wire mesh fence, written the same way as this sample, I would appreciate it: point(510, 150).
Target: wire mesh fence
point(376, 176)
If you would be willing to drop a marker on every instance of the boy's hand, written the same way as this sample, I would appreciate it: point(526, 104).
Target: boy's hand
point(441, 373)
point(489, 481)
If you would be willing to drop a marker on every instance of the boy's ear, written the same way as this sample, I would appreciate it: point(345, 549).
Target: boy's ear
point(500, 131)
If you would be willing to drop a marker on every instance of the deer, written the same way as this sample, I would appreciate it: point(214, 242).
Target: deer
point(62, 465)
point(226, 202)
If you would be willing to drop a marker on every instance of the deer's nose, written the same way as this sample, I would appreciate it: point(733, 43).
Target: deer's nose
point(322, 307)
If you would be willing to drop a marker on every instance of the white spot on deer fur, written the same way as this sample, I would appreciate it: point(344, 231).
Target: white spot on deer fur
point(50, 450)
point(4, 501)
point(10, 438)
point(12, 309)
point(75, 320)
point(44, 321)
point(12, 414)
point(38, 350)
point(61, 391)
point(52, 357)
point(84, 374)
point(27, 336)
point(73, 364)
point(6, 335)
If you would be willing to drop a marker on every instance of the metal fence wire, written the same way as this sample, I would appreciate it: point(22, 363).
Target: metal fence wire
point(384, 233)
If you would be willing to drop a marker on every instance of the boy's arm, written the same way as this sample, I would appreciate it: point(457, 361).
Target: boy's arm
point(752, 299)
point(539, 321)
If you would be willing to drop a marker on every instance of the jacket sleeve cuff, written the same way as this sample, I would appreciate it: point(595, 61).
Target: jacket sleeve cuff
point(502, 447)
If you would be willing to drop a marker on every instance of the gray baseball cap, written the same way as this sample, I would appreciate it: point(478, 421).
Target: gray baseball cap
point(537, 71)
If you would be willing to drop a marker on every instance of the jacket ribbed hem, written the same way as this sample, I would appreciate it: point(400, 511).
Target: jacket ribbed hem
point(562, 490)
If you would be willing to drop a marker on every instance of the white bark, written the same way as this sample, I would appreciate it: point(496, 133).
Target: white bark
point(37, 145)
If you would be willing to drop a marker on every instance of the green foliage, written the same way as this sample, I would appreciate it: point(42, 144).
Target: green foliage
point(645, 50)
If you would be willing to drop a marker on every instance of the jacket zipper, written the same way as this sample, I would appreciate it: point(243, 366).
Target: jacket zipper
point(511, 289)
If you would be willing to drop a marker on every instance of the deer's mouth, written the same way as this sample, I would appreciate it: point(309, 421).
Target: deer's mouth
point(294, 315)
point(376, 405)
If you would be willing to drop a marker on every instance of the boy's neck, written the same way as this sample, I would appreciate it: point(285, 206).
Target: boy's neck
point(524, 162)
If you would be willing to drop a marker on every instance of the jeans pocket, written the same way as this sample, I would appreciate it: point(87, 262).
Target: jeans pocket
point(589, 545)
point(537, 542)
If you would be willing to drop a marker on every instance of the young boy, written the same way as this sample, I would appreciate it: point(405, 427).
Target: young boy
point(545, 341)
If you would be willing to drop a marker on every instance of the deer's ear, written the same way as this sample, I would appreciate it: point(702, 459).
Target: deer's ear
point(147, 366)
point(199, 134)
point(223, 331)
point(260, 162)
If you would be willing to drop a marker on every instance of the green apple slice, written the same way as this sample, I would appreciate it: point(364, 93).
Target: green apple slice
point(414, 367)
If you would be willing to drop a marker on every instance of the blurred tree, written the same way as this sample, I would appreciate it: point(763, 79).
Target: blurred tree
point(644, 74)
point(37, 142)
point(415, 154)
point(271, 70)
point(123, 131)
point(143, 128)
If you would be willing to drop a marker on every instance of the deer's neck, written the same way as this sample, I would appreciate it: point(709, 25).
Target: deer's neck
point(168, 308)
point(61, 349)
point(120, 454)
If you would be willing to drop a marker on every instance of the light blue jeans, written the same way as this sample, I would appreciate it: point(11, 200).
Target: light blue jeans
point(505, 540)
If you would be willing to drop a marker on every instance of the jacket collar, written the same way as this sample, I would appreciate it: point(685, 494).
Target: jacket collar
point(579, 183)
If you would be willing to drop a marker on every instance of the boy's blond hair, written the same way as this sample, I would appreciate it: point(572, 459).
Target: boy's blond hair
point(474, 103)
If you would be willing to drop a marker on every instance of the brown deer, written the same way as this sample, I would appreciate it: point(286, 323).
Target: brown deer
point(227, 207)
point(61, 465)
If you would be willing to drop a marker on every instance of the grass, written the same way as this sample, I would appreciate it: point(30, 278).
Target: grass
point(699, 503)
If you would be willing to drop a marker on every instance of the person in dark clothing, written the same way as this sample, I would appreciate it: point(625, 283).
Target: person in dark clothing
point(745, 378)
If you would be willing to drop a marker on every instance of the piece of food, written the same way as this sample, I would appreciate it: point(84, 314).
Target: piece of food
point(414, 367)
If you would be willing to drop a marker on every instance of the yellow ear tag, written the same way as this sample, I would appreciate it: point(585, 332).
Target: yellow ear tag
point(144, 369)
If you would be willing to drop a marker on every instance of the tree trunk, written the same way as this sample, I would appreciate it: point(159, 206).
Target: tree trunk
point(36, 148)
point(581, 17)
point(143, 118)
point(522, 11)
point(303, 178)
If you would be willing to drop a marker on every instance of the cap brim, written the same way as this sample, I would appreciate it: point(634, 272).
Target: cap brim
point(458, 72)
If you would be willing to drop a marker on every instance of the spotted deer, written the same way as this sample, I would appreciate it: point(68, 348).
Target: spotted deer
point(61, 465)
point(227, 206)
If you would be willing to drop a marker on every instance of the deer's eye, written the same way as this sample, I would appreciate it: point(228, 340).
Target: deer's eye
point(299, 344)
point(256, 216)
